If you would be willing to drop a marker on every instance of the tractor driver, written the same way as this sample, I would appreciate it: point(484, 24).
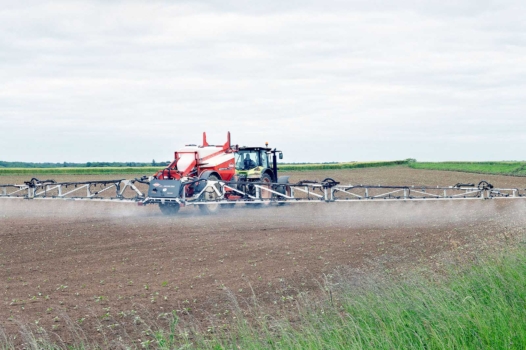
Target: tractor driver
point(248, 163)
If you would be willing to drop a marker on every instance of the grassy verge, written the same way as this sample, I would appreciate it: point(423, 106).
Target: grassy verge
point(496, 168)
point(483, 307)
point(151, 170)
point(480, 307)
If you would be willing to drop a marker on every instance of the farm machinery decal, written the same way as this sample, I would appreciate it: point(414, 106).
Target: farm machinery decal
point(214, 177)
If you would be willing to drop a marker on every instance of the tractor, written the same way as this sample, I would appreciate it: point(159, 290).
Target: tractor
point(253, 166)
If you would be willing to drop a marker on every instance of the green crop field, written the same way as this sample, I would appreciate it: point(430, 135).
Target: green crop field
point(497, 168)
point(335, 166)
point(151, 169)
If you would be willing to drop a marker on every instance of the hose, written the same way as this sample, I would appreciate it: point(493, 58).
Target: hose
point(484, 185)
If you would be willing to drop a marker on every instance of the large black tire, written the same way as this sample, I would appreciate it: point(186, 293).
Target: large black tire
point(265, 195)
point(265, 178)
point(210, 195)
point(169, 209)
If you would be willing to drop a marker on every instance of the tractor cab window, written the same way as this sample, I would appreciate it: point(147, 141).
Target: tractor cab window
point(264, 159)
point(246, 160)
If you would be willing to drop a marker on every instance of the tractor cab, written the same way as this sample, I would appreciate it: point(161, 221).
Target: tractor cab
point(248, 158)
point(254, 163)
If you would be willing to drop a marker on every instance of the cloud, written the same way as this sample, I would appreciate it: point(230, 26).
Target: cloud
point(324, 81)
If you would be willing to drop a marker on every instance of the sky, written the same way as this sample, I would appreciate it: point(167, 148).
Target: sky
point(322, 81)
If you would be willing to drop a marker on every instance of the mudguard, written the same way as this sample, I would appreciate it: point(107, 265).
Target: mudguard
point(283, 179)
point(202, 184)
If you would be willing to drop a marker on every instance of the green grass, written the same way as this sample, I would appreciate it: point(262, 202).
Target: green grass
point(483, 307)
point(497, 168)
point(151, 170)
point(480, 307)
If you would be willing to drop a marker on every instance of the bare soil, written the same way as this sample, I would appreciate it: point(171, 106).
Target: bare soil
point(99, 265)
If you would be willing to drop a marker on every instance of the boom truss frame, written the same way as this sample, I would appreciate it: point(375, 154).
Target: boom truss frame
point(126, 191)
point(85, 190)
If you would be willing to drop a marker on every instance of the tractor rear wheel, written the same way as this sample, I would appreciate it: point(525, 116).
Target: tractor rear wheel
point(264, 194)
point(169, 209)
point(210, 195)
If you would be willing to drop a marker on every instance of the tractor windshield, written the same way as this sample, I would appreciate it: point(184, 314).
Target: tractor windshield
point(246, 160)
point(264, 159)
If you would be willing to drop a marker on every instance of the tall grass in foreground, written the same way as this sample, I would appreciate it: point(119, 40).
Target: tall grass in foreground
point(481, 307)
point(497, 168)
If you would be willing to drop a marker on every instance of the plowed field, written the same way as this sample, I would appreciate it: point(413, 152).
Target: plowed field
point(99, 265)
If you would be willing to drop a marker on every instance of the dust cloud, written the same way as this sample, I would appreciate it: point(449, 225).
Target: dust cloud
point(23, 208)
point(377, 214)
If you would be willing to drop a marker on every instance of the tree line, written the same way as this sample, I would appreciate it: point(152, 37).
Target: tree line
point(4, 164)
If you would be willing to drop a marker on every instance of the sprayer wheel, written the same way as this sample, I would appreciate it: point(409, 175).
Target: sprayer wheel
point(210, 196)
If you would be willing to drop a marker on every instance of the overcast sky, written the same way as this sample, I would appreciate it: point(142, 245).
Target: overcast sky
point(321, 80)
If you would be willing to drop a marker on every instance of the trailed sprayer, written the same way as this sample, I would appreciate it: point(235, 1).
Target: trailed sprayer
point(215, 173)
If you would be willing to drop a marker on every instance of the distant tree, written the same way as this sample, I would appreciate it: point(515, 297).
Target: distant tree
point(153, 162)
